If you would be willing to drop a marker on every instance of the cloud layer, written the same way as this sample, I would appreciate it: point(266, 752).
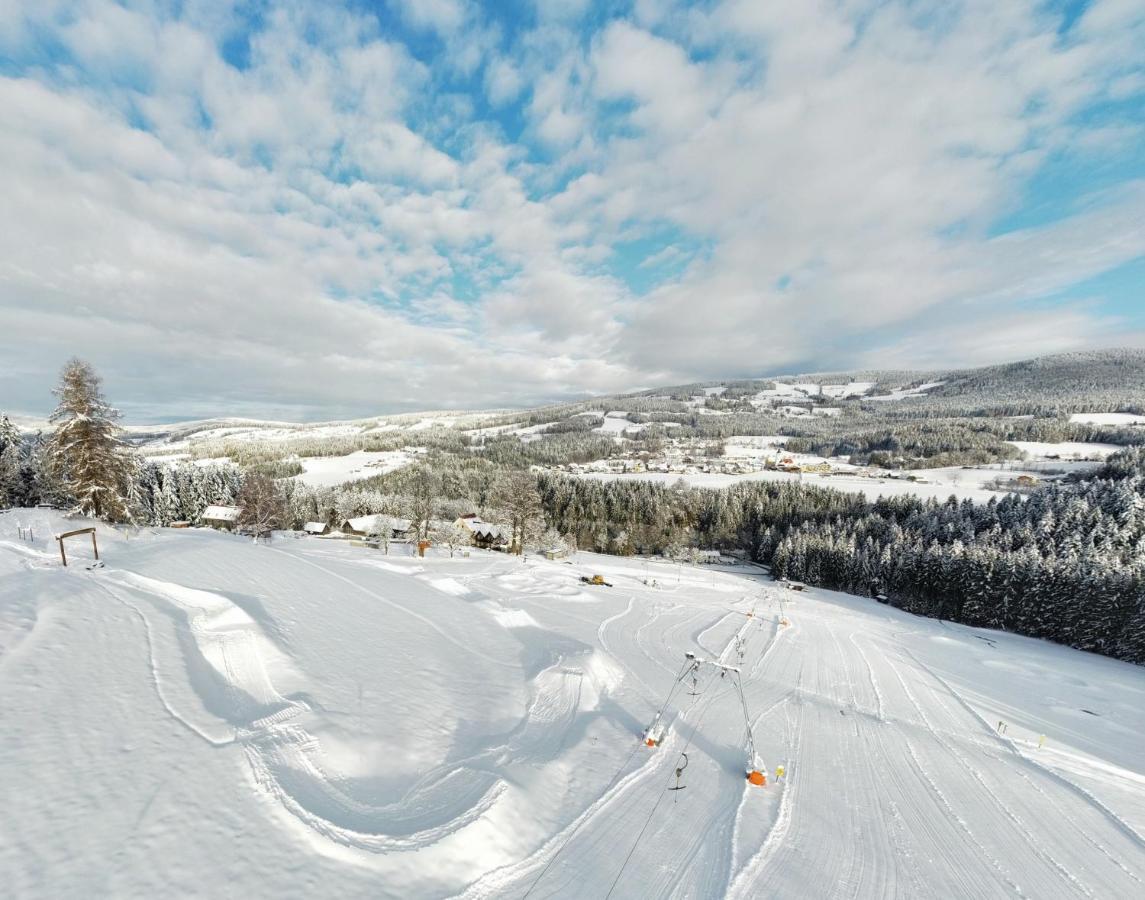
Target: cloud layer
point(317, 212)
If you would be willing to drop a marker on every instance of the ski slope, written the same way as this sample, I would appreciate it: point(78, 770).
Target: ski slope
point(207, 717)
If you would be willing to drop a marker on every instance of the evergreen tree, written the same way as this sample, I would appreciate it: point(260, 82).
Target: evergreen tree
point(86, 452)
point(11, 482)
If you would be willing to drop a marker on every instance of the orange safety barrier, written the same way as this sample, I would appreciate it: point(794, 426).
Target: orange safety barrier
point(758, 778)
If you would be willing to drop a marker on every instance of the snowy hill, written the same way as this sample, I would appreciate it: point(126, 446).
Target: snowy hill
point(208, 717)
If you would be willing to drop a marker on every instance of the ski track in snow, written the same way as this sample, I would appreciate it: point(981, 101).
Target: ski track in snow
point(896, 784)
point(284, 758)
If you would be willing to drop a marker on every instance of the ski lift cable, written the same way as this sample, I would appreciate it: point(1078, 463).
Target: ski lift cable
point(662, 794)
point(615, 778)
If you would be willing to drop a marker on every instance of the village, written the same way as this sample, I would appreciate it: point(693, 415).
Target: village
point(746, 455)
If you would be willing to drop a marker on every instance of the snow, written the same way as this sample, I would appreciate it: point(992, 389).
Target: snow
point(1107, 419)
point(937, 483)
point(852, 389)
point(328, 471)
point(210, 717)
point(221, 513)
point(616, 423)
point(904, 393)
point(1065, 449)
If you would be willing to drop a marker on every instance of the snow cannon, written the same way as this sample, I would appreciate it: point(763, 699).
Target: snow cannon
point(654, 736)
point(756, 777)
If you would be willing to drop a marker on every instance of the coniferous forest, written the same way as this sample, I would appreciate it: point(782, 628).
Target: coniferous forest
point(1066, 563)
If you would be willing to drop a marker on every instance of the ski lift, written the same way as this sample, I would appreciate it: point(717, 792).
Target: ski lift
point(654, 734)
point(679, 774)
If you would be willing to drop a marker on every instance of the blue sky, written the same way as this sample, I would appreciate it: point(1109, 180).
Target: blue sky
point(318, 210)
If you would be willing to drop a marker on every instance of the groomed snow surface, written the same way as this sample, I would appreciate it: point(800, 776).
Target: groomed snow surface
point(207, 717)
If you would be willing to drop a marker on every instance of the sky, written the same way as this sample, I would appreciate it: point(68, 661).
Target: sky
point(310, 210)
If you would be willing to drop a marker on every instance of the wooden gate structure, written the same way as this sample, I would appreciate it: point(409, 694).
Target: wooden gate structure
point(78, 531)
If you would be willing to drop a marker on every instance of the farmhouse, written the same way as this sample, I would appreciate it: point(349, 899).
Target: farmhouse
point(222, 517)
point(483, 534)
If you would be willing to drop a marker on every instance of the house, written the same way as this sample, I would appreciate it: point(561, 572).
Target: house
point(223, 517)
point(490, 537)
point(365, 525)
point(1026, 480)
point(483, 534)
point(316, 528)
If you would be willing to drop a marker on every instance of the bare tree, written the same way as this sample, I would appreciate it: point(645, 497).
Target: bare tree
point(85, 453)
point(452, 535)
point(383, 530)
point(263, 508)
point(420, 502)
point(519, 503)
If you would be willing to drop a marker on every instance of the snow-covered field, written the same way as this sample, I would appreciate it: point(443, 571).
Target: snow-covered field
point(936, 483)
point(1107, 419)
point(206, 717)
point(1065, 449)
point(328, 471)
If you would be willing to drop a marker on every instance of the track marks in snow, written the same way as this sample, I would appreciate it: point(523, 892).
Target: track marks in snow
point(425, 620)
point(285, 759)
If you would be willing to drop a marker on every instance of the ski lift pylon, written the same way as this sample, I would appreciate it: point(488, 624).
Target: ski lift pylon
point(654, 733)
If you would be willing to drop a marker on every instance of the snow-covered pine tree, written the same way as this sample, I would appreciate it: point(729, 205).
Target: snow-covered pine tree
point(86, 452)
point(11, 483)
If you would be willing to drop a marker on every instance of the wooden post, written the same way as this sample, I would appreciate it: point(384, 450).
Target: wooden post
point(68, 534)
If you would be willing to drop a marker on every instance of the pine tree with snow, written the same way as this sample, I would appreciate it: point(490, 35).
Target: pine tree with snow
point(85, 451)
point(11, 482)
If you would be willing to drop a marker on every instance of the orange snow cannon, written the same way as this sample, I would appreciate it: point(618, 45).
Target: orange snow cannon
point(757, 778)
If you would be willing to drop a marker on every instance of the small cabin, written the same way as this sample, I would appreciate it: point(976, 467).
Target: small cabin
point(316, 528)
point(222, 517)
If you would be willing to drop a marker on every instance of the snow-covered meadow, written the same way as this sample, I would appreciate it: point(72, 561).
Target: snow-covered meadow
point(205, 716)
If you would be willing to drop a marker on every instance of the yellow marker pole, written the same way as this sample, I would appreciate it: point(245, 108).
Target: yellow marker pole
point(1041, 741)
point(778, 772)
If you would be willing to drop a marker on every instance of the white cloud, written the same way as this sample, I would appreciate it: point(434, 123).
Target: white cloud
point(329, 230)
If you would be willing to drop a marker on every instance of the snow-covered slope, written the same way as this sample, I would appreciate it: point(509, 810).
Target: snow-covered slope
point(212, 718)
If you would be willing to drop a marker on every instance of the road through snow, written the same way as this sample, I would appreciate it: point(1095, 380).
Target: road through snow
point(206, 716)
